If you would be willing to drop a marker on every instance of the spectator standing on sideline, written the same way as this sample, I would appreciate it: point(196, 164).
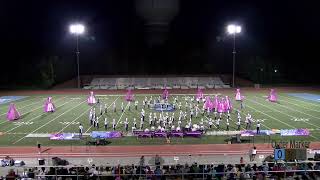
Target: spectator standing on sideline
point(80, 130)
point(157, 160)
point(253, 154)
point(141, 162)
point(39, 147)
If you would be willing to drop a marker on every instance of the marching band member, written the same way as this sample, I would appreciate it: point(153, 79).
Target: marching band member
point(141, 123)
point(238, 124)
point(105, 123)
point(136, 104)
point(114, 124)
point(258, 127)
point(97, 123)
point(105, 108)
point(129, 105)
point(122, 107)
point(126, 124)
point(100, 109)
point(134, 123)
point(114, 107)
point(218, 123)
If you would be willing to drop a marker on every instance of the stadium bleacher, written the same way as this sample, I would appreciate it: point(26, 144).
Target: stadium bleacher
point(157, 83)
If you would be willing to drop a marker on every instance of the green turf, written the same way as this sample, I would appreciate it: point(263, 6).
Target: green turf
point(73, 109)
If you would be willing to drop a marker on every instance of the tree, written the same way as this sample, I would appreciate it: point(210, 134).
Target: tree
point(47, 74)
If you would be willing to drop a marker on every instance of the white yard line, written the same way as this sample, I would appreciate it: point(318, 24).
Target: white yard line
point(299, 105)
point(282, 112)
point(34, 118)
point(297, 111)
point(50, 121)
point(299, 100)
point(34, 109)
point(100, 115)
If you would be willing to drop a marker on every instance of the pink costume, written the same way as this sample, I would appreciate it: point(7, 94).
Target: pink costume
point(199, 94)
point(48, 105)
point(238, 96)
point(222, 106)
point(228, 104)
point(272, 96)
point(91, 99)
point(129, 95)
point(165, 94)
point(208, 104)
point(13, 114)
point(215, 102)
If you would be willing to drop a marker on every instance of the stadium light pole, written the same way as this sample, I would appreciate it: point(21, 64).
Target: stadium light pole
point(77, 30)
point(233, 30)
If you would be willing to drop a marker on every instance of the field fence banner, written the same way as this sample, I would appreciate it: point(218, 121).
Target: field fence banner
point(294, 132)
point(106, 134)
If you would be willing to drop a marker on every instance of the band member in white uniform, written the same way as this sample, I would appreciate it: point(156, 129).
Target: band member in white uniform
point(80, 130)
point(114, 124)
point(122, 107)
point(105, 123)
point(101, 109)
point(126, 126)
point(258, 127)
point(97, 123)
point(134, 123)
point(105, 108)
point(114, 107)
point(136, 105)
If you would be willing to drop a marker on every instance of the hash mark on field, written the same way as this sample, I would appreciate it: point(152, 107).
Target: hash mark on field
point(50, 121)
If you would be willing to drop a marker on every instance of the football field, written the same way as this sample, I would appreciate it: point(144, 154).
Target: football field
point(293, 111)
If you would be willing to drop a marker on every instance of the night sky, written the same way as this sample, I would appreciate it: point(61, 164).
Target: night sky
point(117, 40)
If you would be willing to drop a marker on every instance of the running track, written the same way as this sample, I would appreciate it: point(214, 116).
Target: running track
point(137, 151)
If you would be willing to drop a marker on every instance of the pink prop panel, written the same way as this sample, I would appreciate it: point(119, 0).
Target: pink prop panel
point(273, 96)
point(215, 102)
point(129, 95)
point(238, 96)
point(165, 94)
point(48, 105)
point(12, 114)
point(208, 104)
point(91, 99)
point(200, 94)
point(228, 104)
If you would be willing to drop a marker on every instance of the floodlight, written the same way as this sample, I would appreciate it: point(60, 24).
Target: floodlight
point(76, 29)
point(232, 29)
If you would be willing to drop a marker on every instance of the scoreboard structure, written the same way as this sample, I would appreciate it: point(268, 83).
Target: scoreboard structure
point(290, 154)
